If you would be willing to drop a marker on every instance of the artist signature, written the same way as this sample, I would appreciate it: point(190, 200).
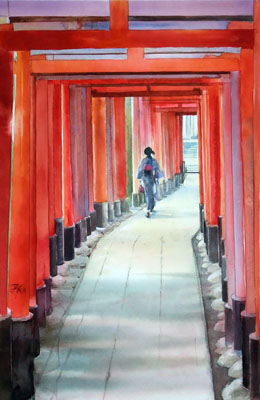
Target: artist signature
point(15, 288)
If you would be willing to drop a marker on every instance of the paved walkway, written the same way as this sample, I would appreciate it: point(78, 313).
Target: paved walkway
point(135, 330)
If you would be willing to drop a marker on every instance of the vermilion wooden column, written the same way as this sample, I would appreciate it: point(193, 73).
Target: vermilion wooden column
point(177, 143)
point(229, 208)
point(110, 139)
point(222, 158)
point(171, 143)
point(237, 187)
point(214, 152)
point(57, 142)
point(89, 149)
point(254, 353)
point(181, 139)
point(158, 138)
point(42, 195)
point(205, 150)
point(228, 287)
point(214, 173)
point(167, 147)
point(33, 241)
point(246, 93)
point(19, 250)
point(142, 122)
point(119, 110)
point(51, 172)
point(248, 284)
point(68, 207)
point(136, 142)
point(19, 256)
point(129, 147)
point(200, 154)
point(99, 160)
point(257, 162)
point(6, 101)
point(69, 229)
point(76, 136)
point(164, 144)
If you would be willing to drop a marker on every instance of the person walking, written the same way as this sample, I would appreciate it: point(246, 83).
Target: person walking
point(149, 172)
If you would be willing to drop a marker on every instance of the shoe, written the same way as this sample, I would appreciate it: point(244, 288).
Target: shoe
point(148, 214)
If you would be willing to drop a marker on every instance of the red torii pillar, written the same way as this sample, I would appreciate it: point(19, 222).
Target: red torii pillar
point(137, 150)
point(6, 102)
point(19, 250)
point(201, 167)
point(213, 174)
point(171, 146)
point(110, 160)
point(99, 159)
point(78, 143)
point(56, 222)
point(57, 164)
point(120, 152)
point(42, 198)
point(247, 144)
point(228, 283)
point(204, 142)
point(181, 147)
point(91, 220)
point(254, 355)
point(69, 228)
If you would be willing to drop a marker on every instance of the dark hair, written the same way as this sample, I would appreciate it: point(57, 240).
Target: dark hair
point(148, 151)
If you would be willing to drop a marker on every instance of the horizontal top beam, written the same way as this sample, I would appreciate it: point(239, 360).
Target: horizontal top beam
point(49, 40)
point(146, 93)
point(136, 64)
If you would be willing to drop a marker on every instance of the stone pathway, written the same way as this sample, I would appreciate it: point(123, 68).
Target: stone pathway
point(135, 328)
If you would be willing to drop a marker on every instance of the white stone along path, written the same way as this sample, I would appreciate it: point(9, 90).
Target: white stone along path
point(135, 329)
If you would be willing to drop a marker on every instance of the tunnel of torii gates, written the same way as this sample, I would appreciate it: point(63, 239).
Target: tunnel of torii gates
point(70, 146)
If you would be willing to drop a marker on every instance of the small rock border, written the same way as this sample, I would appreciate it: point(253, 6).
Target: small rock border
point(209, 276)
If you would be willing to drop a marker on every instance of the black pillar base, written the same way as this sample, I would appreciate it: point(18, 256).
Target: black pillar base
point(254, 350)
point(53, 255)
point(238, 305)
point(178, 180)
point(135, 200)
point(248, 327)
point(59, 229)
point(201, 207)
point(93, 218)
point(22, 358)
point(77, 243)
point(102, 214)
point(36, 331)
point(124, 206)
point(49, 308)
point(213, 243)
point(84, 229)
point(220, 231)
point(111, 212)
point(41, 302)
point(69, 239)
point(88, 225)
point(5, 357)
point(117, 208)
point(229, 331)
point(224, 280)
point(206, 235)
point(221, 252)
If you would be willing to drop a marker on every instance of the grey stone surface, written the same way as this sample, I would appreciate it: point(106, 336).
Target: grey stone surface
point(130, 331)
